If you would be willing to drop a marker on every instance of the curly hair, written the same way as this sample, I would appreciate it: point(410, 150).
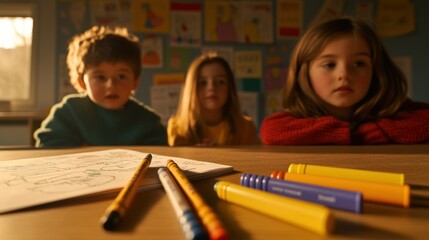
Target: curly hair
point(102, 44)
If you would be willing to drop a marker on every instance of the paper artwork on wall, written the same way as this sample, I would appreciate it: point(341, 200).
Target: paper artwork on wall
point(257, 22)
point(233, 22)
point(226, 52)
point(152, 16)
point(222, 21)
point(248, 64)
point(111, 13)
point(249, 102)
point(273, 102)
point(185, 24)
point(395, 18)
point(331, 9)
point(289, 18)
point(164, 99)
point(152, 52)
point(177, 58)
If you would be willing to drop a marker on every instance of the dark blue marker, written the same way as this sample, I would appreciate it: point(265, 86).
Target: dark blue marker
point(331, 197)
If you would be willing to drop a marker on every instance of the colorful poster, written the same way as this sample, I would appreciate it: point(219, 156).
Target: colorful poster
point(395, 18)
point(177, 58)
point(111, 12)
point(248, 64)
point(289, 18)
point(257, 22)
point(273, 102)
point(168, 78)
point(151, 16)
point(72, 16)
point(164, 100)
point(152, 52)
point(249, 102)
point(222, 21)
point(364, 9)
point(331, 9)
point(226, 52)
point(185, 24)
point(275, 73)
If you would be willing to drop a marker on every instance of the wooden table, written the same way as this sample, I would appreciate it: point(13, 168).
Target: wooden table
point(153, 217)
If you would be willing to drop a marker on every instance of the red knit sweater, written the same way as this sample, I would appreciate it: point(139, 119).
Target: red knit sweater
point(410, 125)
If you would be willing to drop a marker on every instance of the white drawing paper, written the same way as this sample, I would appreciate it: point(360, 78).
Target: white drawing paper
point(34, 181)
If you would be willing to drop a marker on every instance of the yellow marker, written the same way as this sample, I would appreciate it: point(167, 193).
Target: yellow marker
point(372, 192)
point(348, 173)
point(117, 209)
point(209, 219)
point(311, 216)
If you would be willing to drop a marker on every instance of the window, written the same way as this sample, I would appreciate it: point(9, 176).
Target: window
point(16, 54)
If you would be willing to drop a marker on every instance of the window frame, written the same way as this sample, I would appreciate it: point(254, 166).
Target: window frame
point(26, 9)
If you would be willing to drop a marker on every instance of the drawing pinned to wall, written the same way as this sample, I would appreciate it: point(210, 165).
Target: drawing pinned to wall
point(249, 102)
point(151, 16)
point(257, 21)
point(289, 18)
point(185, 24)
point(273, 102)
point(248, 64)
point(72, 15)
point(177, 58)
point(164, 99)
point(152, 52)
point(222, 21)
point(111, 12)
point(226, 52)
point(395, 18)
point(275, 73)
point(331, 9)
point(364, 10)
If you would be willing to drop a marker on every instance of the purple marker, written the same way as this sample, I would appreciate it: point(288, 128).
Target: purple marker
point(331, 197)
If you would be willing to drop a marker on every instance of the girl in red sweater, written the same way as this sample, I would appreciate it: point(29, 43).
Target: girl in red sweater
point(343, 88)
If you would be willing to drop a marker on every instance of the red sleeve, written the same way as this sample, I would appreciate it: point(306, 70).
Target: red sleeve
point(409, 126)
point(284, 129)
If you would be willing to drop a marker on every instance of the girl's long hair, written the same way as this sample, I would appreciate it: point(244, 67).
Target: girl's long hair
point(188, 118)
point(388, 89)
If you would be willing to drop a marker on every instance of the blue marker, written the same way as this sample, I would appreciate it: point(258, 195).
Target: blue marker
point(331, 197)
point(191, 227)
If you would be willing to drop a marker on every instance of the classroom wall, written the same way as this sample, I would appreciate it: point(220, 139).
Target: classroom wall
point(410, 49)
point(56, 28)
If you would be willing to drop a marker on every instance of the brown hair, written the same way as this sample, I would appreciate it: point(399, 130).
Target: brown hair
point(388, 89)
point(188, 116)
point(102, 44)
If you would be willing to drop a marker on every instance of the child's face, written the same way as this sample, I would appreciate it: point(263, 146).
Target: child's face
point(109, 85)
point(212, 87)
point(341, 74)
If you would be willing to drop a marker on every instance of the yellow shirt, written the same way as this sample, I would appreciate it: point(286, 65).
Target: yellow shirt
point(215, 135)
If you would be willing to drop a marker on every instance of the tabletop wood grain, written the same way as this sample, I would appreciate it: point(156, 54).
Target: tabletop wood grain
point(152, 216)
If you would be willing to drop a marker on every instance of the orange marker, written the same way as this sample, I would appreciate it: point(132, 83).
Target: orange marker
point(211, 222)
point(372, 192)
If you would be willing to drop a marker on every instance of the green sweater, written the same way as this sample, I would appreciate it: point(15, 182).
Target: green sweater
point(77, 121)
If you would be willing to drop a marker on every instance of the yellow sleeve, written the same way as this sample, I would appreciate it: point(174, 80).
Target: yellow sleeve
point(174, 139)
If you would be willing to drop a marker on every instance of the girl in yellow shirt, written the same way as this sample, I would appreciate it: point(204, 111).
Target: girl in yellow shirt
point(209, 112)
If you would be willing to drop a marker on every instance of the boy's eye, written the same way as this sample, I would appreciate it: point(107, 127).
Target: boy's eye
point(99, 77)
point(122, 76)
